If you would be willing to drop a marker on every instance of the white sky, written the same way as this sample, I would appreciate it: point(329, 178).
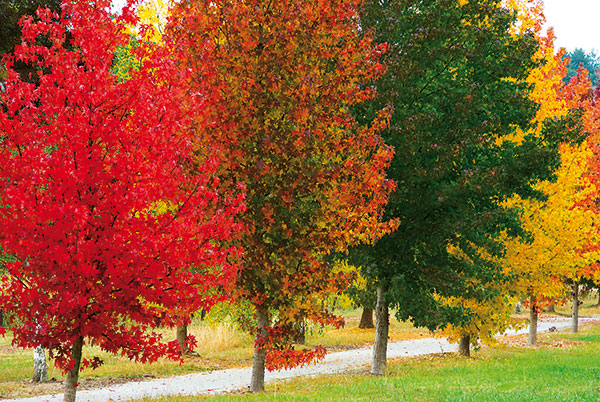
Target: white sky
point(118, 4)
point(576, 22)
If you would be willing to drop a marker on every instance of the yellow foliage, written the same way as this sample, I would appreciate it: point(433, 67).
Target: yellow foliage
point(343, 301)
point(530, 14)
point(154, 14)
point(562, 229)
point(488, 318)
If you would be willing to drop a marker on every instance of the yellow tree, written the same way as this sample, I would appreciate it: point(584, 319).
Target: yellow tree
point(578, 94)
point(155, 14)
point(559, 228)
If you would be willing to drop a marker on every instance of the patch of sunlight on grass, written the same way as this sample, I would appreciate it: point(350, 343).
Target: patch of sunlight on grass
point(352, 336)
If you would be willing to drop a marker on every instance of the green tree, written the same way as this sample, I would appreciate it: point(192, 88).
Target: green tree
point(579, 58)
point(456, 76)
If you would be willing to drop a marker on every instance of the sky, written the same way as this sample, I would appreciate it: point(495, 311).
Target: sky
point(576, 22)
point(118, 4)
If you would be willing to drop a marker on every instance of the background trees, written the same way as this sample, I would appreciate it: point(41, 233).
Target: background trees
point(10, 31)
point(11, 12)
point(85, 157)
point(578, 58)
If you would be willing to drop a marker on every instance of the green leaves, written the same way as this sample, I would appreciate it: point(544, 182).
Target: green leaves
point(456, 76)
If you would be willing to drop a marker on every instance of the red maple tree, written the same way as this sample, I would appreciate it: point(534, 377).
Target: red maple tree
point(86, 162)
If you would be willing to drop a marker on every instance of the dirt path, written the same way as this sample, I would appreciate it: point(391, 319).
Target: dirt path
point(236, 379)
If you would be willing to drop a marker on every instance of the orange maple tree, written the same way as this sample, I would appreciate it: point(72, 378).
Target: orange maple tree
point(287, 73)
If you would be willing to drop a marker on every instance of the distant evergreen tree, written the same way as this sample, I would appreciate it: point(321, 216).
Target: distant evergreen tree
point(590, 61)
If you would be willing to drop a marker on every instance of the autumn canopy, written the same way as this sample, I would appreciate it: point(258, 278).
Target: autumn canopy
point(175, 155)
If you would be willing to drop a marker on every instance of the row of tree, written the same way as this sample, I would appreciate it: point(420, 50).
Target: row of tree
point(479, 132)
point(235, 149)
point(560, 251)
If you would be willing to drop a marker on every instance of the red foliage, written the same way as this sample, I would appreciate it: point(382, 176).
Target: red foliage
point(288, 73)
point(84, 159)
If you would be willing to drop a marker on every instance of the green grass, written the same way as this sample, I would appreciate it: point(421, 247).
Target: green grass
point(221, 345)
point(566, 370)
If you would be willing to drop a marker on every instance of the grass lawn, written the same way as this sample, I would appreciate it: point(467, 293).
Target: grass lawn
point(220, 345)
point(564, 368)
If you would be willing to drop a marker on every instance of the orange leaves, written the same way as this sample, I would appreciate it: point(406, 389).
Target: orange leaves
point(285, 74)
point(289, 358)
point(268, 213)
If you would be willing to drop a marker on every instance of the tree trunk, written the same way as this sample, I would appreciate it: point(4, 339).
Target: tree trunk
point(464, 346)
point(300, 337)
point(366, 319)
point(381, 333)
point(533, 317)
point(518, 307)
point(1, 318)
point(73, 374)
point(257, 383)
point(40, 367)
point(575, 315)
point(182, 333)
point(334, 304)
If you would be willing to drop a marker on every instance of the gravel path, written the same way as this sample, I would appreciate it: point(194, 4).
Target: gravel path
point(234, 379)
